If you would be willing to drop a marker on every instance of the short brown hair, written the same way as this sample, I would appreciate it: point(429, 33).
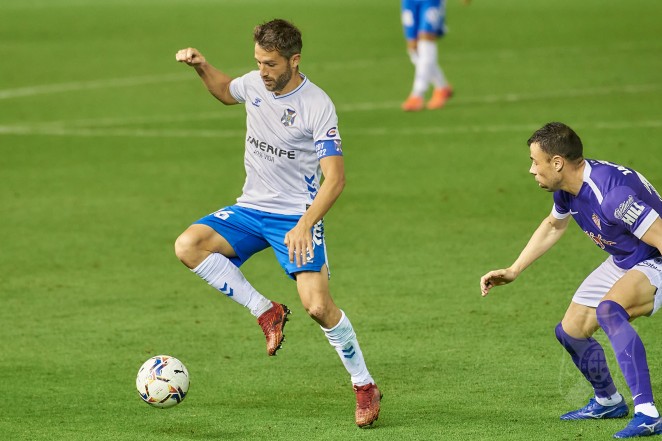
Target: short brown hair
point(556, 138)
point(280, 35)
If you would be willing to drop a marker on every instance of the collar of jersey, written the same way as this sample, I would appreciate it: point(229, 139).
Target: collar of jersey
point(587, 171)
point(305, 79)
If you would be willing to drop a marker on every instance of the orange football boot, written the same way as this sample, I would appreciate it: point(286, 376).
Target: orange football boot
point(439, 98)
point(413, 104)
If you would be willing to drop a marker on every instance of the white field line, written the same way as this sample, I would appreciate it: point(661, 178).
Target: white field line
point(186, 74)
point(89, 85)
point(374, 131)
point(518, 97)
point(132, 133)
point(357, 107)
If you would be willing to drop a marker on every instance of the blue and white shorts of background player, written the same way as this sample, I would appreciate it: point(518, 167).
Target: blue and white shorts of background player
point(423, 16)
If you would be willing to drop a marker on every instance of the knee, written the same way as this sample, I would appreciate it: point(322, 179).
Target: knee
point(186, 248)
point(610, 313)
point(317, 312)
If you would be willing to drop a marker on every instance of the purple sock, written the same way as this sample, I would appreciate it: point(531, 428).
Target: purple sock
point(589, 357)
point(629, 350)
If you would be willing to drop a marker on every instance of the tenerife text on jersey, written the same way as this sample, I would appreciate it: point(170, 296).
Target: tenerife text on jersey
point(266, 147)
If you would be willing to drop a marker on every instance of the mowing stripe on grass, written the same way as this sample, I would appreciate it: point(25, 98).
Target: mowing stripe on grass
point(374, 131)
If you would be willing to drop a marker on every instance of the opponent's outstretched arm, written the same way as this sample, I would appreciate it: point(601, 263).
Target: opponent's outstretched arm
point(216, 81)
point(546, 235)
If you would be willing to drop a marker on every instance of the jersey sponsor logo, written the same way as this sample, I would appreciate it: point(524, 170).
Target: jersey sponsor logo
point(333, 131)
point(596, 221)
point(599, 240)
point(269, 149)
point(257, 102)
point(629, 211)
point(288, 117)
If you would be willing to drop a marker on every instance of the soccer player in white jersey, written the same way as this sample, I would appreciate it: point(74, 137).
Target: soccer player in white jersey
point(292, 140)
point(619, 210)
point(423, 22)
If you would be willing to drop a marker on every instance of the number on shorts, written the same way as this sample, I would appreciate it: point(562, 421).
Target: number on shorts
point(223, 214)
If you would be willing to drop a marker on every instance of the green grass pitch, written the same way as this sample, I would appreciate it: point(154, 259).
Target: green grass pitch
point(109, 149)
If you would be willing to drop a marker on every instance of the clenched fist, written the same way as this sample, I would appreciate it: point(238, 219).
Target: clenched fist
point(190, 56)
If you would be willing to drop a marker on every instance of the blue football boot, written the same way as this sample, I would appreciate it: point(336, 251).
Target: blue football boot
point(595, 410)
point(641, 425)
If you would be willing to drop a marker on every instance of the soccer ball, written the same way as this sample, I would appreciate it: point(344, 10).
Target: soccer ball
point(162, 381)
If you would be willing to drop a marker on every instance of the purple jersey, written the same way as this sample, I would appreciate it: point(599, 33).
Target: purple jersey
point(615, 207)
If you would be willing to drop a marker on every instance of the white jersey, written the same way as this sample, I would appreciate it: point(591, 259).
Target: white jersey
point(286, 136)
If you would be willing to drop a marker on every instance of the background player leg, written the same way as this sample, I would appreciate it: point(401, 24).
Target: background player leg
point(428, 51)
point(414, 102)
point(206, 253)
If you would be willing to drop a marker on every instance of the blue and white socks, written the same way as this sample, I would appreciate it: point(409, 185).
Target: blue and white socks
point(219, 272)
point(343, 339)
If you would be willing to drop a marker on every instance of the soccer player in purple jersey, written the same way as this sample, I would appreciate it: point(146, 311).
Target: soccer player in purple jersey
point(619, 210)
point(292, 142)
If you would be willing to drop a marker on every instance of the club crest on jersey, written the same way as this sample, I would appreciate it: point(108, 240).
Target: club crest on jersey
point(257, 102)
point(288, 117)
point(596, 221)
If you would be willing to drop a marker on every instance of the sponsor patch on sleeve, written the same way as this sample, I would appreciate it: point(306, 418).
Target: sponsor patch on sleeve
point(328, 147)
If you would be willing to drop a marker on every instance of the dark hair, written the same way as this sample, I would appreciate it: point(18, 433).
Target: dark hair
point(280, 35)
point(556, 138)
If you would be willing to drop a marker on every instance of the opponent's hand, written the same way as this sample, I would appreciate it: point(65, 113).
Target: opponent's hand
point(299, 241)
point(190, 56)
point(496, 278)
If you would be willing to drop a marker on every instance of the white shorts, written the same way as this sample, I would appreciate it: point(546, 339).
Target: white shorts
point(600, 281)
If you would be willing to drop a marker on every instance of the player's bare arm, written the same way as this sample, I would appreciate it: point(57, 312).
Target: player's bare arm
point(546, 235)
point(653, 235)
point(216, 81)
point(299, 240)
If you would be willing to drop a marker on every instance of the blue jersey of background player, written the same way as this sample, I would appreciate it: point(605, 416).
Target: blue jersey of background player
point(424, 21)
point(292, 139)
point(619, 210)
